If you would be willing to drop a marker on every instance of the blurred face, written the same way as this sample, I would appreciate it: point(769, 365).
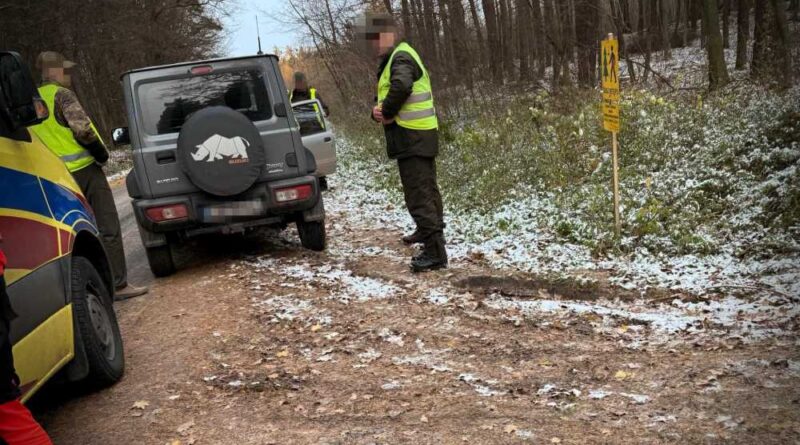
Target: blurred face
point(382, 42)
point(300, 85)
point(60, 75)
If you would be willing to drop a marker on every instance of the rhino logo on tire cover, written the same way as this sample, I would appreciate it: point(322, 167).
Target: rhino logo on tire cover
point(216, 147)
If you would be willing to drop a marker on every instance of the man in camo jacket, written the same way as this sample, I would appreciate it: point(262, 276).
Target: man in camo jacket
point(70, 134)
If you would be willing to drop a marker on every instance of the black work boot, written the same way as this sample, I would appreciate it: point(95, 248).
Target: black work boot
point(434, 256)
point(425, 263)
point(413, 238)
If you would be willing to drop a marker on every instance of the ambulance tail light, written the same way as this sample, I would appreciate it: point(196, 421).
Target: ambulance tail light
point(167, 213)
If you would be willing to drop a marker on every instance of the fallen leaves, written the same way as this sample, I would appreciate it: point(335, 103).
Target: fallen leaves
point(545, 363)
point(138, 408)
point(623, 375)
point(140, 404)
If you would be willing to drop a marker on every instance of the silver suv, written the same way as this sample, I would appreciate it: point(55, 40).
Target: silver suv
point(217, 149)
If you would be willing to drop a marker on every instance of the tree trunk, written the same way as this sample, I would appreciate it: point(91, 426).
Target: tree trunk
point(493, 41)
point(539, 38)
point(388, 5)
point(553, 38)
point(645, 31)
point(663, 26)
point(717, 71)
point(459, 38)
point(523, 38)
point(476, 22)
point(783, 49)
point(564, 19)
point(758, 62)
point(406, 15)
point(433, 29)
point(678, 32)
point(742, 33)
point(726, 12)
point(621, 26)
point(586, 13)
point(507, 40)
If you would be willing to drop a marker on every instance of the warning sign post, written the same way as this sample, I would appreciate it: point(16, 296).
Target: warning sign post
point(609, 57)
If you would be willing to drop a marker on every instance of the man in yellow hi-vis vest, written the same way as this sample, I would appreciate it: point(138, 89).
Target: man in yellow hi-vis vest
point(405, 108)
point(70, 134)
point(302, 91)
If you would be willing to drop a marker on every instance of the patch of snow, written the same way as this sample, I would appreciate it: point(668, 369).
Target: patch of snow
point(437, 296)
point(390, 337)
point(394, 384)
point(599, 394)
point(482, 390)
point(546, 389)
point(639, 399)
point(732, 316)
point(368, 356)
point(524, 434)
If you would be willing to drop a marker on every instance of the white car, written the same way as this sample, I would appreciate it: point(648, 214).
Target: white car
point(317, 136)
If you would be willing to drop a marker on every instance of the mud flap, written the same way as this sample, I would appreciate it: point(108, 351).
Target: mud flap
point(151, 239)
point(316, 213)
point(78, 368)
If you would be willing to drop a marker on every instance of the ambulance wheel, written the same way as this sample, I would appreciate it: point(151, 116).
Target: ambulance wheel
point(312, 234)
point(160, 260)
point(97, 325)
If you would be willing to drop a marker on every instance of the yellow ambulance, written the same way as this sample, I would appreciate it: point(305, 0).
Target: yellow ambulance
point(58, 275)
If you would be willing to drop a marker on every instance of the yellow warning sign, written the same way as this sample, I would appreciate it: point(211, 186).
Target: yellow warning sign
point(609, 57)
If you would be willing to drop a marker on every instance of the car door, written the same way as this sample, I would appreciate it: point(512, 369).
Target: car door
point(316, 134)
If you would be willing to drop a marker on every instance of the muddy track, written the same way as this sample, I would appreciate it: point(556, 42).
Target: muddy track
point(261, 342)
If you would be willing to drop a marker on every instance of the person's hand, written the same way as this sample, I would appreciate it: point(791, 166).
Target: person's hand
point(377, 114)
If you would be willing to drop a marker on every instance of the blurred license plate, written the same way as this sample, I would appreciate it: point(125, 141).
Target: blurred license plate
point(236, 208)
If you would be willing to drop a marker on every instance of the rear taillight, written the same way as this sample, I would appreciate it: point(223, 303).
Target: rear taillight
point(296, 193)
point(167, 213)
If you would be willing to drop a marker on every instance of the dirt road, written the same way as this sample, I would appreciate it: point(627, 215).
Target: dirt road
point(261, 342)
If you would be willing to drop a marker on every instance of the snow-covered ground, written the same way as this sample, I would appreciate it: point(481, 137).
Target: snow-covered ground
point(531, 248)
point(749, 299)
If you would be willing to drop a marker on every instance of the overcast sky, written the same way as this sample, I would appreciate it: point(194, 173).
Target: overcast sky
point(241, 27)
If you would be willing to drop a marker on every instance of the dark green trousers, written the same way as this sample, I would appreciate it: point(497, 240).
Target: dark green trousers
point(424, 202)
point(94, 185)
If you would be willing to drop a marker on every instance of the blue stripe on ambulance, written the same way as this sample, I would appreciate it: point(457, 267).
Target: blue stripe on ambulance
point(66, 207)
point(21, 191)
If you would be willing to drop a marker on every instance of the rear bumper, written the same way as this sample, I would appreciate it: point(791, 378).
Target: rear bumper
point(211, 214)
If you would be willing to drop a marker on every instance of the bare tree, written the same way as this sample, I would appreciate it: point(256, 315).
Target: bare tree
point(717, 71)
point(742, 32)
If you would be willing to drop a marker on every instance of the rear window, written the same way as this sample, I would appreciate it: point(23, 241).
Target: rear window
point(166, 105)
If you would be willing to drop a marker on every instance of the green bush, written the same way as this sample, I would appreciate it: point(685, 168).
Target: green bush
point(697, 173)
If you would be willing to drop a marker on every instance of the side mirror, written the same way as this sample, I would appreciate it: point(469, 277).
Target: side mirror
point(121, 136)
point(20, 104)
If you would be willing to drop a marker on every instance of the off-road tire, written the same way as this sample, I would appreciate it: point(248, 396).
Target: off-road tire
point(312, 234)
point(97, 326)
point(160, 259)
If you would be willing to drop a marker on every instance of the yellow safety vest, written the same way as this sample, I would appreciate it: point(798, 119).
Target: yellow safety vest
point(312, 93)
point(58, 138)
point(418, 112)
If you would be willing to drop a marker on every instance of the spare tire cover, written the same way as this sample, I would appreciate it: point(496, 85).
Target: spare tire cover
point(221, 151)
